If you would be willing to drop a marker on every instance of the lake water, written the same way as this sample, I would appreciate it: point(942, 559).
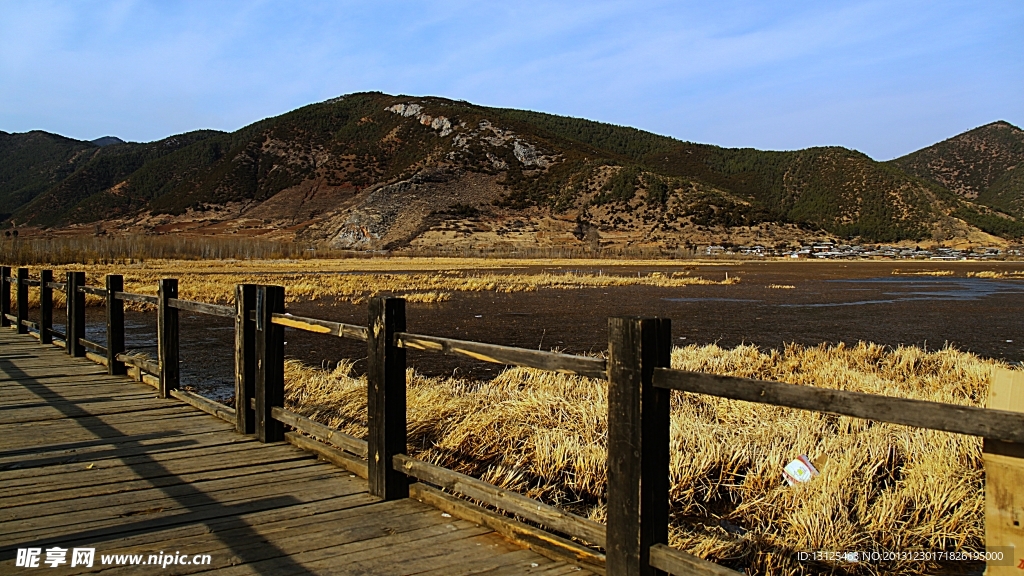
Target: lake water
point(829, 302)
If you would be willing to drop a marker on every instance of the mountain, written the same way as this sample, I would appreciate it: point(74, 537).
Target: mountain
point(33, 162)
point(371, 170)
point(984, 165)
point(107, 141)
point(100, 173)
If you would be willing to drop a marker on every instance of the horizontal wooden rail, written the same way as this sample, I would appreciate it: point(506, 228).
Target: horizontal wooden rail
point(57, 334)
point(93, 347)
point(57, 285)
point(97, 358)
point(11, 317)
point(140, 362)
point(202, 308)
point(994, 424)
point(93, 290)
point(552, 361)
point(683, 564)
point(318, 326)
point(336, 456)
point(31, 282)
point(536, 539)
point(140, 298)
point(320, 432)
point(549, 516)
point(217, 409)
point(32, 325)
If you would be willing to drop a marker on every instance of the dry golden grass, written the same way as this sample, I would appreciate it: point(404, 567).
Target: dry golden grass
point(883, 486)
point(419, 279)
point(898, 272)
point(994, 274)
point(781, 287)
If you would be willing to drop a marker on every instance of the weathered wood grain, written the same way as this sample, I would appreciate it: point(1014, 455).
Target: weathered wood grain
point(140, 298)
point(331, 454)
point(5, 296)
point(537, 540)
point(167, 337)
point(269, 363)
point(21, 289)
point(993, 424)
point(318, 326)
point(94, 290)
point(680, 563)
point(141, 362)
point(125, 462)
point(202, 308)
point(115, 324)
point(552, 361)
point(321, 432)
point(76, 314)
point(97, 358)
point(245, 358)
point(93, 347)
point(386, 401)
point(211, 407)
point(533, 510)
point(45, 307)
point(638, 458)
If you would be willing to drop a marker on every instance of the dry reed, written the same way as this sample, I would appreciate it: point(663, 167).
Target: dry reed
point(882, 487)
point(994, 274)
point(355, 280)
point(898, 272)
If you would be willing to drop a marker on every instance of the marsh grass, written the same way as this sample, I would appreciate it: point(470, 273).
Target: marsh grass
point(994, 274)
point(882, 486)
point(355, 281)
point(898, 272)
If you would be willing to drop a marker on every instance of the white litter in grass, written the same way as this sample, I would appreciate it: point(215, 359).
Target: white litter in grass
point(445, 515)
point(799, 470)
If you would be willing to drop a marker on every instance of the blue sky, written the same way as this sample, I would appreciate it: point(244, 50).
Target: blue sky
point(885, 78)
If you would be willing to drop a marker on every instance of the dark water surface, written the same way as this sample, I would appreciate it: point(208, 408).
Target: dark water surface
point(830, 302)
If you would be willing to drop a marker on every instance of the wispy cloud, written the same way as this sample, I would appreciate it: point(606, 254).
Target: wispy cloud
point(771, 75)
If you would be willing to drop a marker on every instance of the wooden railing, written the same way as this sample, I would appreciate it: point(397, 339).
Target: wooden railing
point(640, 381)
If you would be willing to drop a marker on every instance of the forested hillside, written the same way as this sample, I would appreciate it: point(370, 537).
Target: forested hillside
point(374, 169)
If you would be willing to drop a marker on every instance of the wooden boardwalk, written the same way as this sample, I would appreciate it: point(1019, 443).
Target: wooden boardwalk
point(89, 460)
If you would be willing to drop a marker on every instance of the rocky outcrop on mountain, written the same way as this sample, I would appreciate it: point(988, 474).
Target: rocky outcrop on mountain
point(372, 171)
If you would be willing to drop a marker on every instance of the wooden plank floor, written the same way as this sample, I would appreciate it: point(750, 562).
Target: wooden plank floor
point(95, 461)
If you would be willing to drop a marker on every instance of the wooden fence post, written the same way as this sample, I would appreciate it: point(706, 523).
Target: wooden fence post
point(5, 295)
point(22, 292)
point(638, 435)
point(245, 358)
point(115, 324)
point(269, 363)
point(1004, 475)
point(76, 314)
point(385, 405)
point(45, 307)
point(167, 336)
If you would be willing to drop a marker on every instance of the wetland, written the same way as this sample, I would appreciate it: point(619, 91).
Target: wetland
point(973, 306)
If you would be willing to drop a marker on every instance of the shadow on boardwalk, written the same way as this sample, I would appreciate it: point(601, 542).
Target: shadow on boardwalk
point(96, 461)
